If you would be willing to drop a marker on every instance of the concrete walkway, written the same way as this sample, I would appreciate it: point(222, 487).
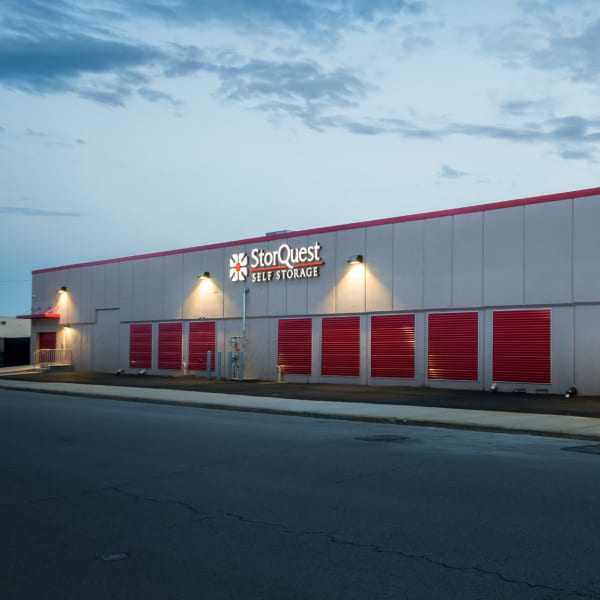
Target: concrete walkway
point(535, 424)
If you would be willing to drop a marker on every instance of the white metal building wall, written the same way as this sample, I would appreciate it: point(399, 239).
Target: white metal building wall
point(535, 255)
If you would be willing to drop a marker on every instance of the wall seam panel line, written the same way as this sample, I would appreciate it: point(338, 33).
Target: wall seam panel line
point(573, 305)
point(524, 235)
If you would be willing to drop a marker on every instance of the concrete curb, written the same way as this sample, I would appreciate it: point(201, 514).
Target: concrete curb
point(583, 428)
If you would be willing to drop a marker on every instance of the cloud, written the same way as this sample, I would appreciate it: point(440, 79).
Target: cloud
point(305, 80)
point(447, 172)
point(47, 64)
point(320, 20)
point(562, 132)
point(53, 140)
point(77, 48)
point(61, 48)
point(545, 7)
point(577, 55)
point(577, 155)
point(302, 89)
point(153, 95)
point(519, 108)
point(544, 38)
point(35, 212)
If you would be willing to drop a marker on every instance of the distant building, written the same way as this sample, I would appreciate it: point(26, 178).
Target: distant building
point(15, 337)
point(504, 294)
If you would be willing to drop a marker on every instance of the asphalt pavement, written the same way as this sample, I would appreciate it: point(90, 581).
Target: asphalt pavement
point(537, 414)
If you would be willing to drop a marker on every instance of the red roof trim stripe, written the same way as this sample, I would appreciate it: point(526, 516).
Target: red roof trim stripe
point(40, 316)
point(386, 221)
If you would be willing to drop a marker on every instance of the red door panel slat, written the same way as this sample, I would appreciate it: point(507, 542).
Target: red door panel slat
point(169, 345)
point(140, 346)
point(522, 346)
point(453, 346)
point(294, 345)
point(340, 346)
point(202, 340)
point(393, 346)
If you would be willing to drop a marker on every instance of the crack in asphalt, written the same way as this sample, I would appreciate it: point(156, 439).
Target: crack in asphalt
point(332, 536)
point(280, 526)
point(181, 503)
point(90, 491)
point(335, 539)
point(488, 572)
point(159, 476)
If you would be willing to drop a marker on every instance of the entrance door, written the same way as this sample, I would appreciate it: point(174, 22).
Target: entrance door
point(47, 340)
point(46, 346)
point(105, 342)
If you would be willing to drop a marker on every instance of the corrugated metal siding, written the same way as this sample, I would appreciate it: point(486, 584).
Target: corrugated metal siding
point(169, 345)
point(393, 346)
point(140, 346)
point(453, 346)
point(522, 346)
point(202, 340)
point(294, 346)
point(340, 346)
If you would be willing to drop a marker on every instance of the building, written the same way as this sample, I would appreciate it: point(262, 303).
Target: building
point(14, 342)
point(505, 294)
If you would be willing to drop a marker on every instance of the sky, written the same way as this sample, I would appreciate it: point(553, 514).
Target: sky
point(129, 127)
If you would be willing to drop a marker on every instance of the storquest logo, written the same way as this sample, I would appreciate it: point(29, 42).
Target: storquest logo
point(277, 264)
point(238, 267)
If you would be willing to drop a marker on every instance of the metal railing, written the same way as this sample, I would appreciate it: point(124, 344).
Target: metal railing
point(54, 356)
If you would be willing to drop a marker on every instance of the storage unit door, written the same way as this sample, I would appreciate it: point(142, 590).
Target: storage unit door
point(202, 341)
point(453, 348)
point(522, 346)
point(393, 346)
point(340, 346)
point(169, 345)
point(294, 346)
point(140, 346)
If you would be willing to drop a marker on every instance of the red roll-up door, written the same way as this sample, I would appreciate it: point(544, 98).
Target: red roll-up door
point(202, 341)
point(169, 345)
point(140, 346)
point(340, 346)
point(393, 346)
point(522, 346)
point(452, 349)
point(294, 346)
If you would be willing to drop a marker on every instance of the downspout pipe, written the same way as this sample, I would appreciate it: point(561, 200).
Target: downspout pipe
point(244, 294)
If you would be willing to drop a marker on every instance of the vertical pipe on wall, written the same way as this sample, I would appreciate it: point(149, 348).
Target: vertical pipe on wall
point(244, 294)
point(241, 366)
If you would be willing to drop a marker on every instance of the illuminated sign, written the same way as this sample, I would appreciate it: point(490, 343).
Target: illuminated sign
point(283, 263)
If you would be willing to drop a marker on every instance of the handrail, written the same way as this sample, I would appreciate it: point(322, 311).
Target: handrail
point(53, 356)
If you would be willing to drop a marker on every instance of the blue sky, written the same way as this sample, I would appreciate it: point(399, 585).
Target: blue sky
point(137, 126)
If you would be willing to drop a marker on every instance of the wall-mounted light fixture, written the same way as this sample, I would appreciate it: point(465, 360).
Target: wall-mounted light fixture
point(355, 259)
point(205, 275)
point(62, 290)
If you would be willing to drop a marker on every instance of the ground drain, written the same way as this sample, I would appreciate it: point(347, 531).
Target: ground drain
point(113, 556)
point(592, 449)
point(382, 437)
